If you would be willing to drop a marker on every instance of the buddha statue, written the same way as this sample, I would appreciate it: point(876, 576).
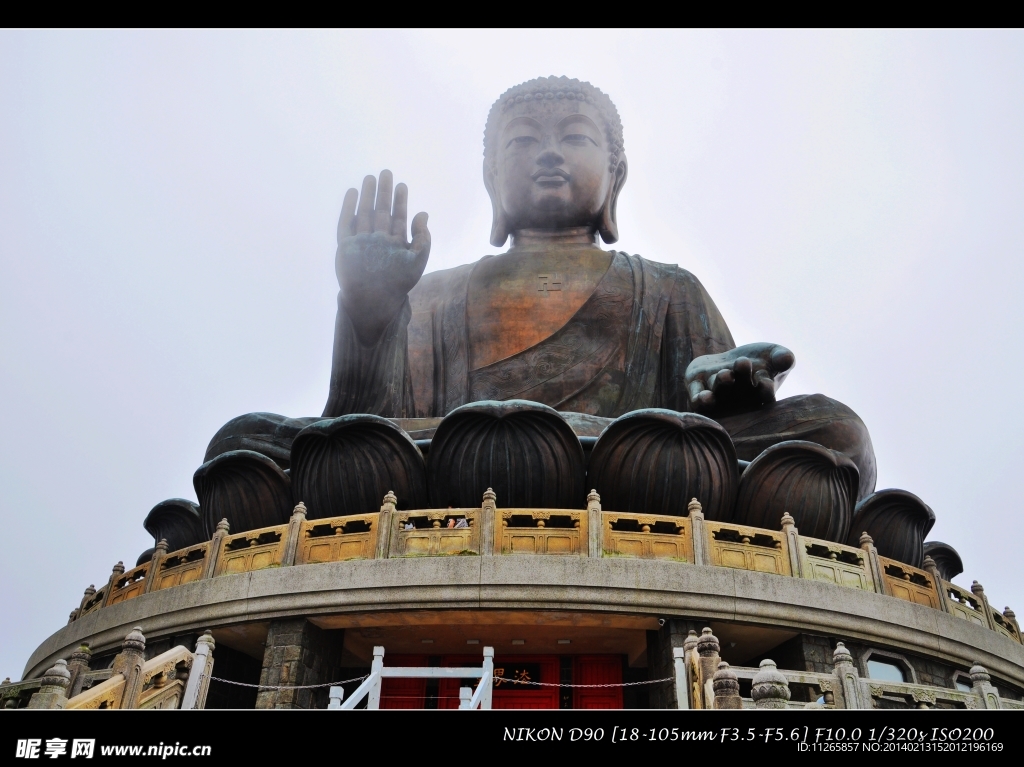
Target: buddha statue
point(554, 319)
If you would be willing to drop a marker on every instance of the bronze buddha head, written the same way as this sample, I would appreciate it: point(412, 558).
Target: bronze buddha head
point(553, 159)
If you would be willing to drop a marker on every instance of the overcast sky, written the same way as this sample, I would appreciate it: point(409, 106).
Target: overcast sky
point(168, 204)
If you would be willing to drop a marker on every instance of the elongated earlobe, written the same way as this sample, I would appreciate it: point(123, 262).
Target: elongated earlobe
point(608, 226)
point(499, 226)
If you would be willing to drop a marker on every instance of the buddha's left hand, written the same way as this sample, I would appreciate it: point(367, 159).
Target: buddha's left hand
point(741, 379)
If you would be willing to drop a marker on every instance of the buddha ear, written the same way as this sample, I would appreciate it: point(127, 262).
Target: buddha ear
point(608, 226)
point(499, 226)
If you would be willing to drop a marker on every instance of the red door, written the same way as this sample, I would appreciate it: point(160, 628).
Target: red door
point(404, 693)
point(597, 669)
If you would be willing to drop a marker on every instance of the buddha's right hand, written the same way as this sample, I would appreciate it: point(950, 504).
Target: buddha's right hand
point(376, 265)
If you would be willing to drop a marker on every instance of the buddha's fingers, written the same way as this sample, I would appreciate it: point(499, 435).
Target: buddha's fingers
point(781, 359)
point(400, 212)
point(743, 369)
point(348, 214)
point(382, 208)
point(720, 380)
point(765, 386)
point(420, 240)
point(695, 387)
point(364, 216)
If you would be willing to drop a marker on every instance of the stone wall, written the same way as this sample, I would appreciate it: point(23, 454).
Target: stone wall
point(299, 653)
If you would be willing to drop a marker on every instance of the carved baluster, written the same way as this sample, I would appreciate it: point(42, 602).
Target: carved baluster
point(770, 688)
point(847, 678)
point(792, 537)
point(979, 593)
point(982, 685)
point(701, 555)
point(293, 535)
point(595, 528)
point(213, 551)
point(78, 664)
point(199, 675)
point(129, 664)
point(708, 649)
point(1011, 618)
point(679, 669)
point(929, 566)
point(90, 592)
point(159, 554)
point(115, 573)
point(692, 669)
point(726, 686)
point(874, 564)
point(53, 690)
point(490, 529)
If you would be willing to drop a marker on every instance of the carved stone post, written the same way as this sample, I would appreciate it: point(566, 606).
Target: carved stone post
point(129, 664)
point(770, 688)
point(90, 592)
point(979, 593)
point(159, 553)
point(78, 664)
point(213, 550)
point(53, 690)
point(982, 685)
point(488, 679)
point(726, 686)
point(847, 678)
point(933, 570)
point(692, 659)
point(793, 545)
point(701, 555)
point(73, 616)
point(490, 542)
point(293, 535)
point(1011, 618)
point(595, 525)
point(115, 573)
point(708, 649)
point(874, 563)
point(199, 675)
point(385, 521)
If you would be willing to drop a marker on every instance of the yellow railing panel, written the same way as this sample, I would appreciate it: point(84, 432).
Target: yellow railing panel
point(835, 563)
point(541, 531)
point(650, 538)
point(337, 539)
point(427, 533)
point(748, 548)
point(252, 550)
point(909, 583)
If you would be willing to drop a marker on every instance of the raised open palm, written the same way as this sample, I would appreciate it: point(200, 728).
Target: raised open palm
point(376, 264)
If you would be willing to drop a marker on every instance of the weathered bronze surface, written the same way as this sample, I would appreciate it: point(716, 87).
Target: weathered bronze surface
point(554, 320)
point(946, 559)
point(177, 521)
point(898, 521)
point(244, 487)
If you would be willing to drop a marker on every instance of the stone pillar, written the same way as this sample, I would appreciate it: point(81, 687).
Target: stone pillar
point(198, 683)
point(982, 685)
point(78, 664)
point(661, 646)
point(90, 592)
point(213, 550)
point(294, 533)
point(708, 651)
point(874, 563)
point(979, 593)
point(490, 543)
point(793, 545)
point(115, 573)
point(933, 570)
point(595, 525)
point(159, 553)
point(726, 686)
point(770, 688)
point(1011, 618)
point(385, 521)
point(701, 553)
point(681, 678)
point(129, 664)
point(847, 679)
point(298, 653)
point(53, 690)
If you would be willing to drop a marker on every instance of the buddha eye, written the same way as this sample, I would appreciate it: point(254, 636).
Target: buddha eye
point(579, 139)
point(520, 140)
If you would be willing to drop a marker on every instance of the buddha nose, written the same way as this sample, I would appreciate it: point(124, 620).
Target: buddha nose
point(550, 158)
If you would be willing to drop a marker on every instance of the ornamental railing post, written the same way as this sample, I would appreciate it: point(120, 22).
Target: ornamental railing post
point(867, 543)
point(129, 664)
point(214, 547)
point(982, 685)
point(595, 525)
point(701, 555)
point(199, 675)
point(54, 688)
point(793, 545)
point(115, 573)
point(293, 535)
point(932, 569)
point(682, 686)
point(979, 592)
point(490, 541)
point(847, 678)
point(385, 521)
point(159, 554)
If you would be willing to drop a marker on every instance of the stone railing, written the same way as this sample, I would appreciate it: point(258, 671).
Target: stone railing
point(591, 532)
point(177, 678)
point(703, 680)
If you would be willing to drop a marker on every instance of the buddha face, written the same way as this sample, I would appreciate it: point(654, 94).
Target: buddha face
point(552, 168)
